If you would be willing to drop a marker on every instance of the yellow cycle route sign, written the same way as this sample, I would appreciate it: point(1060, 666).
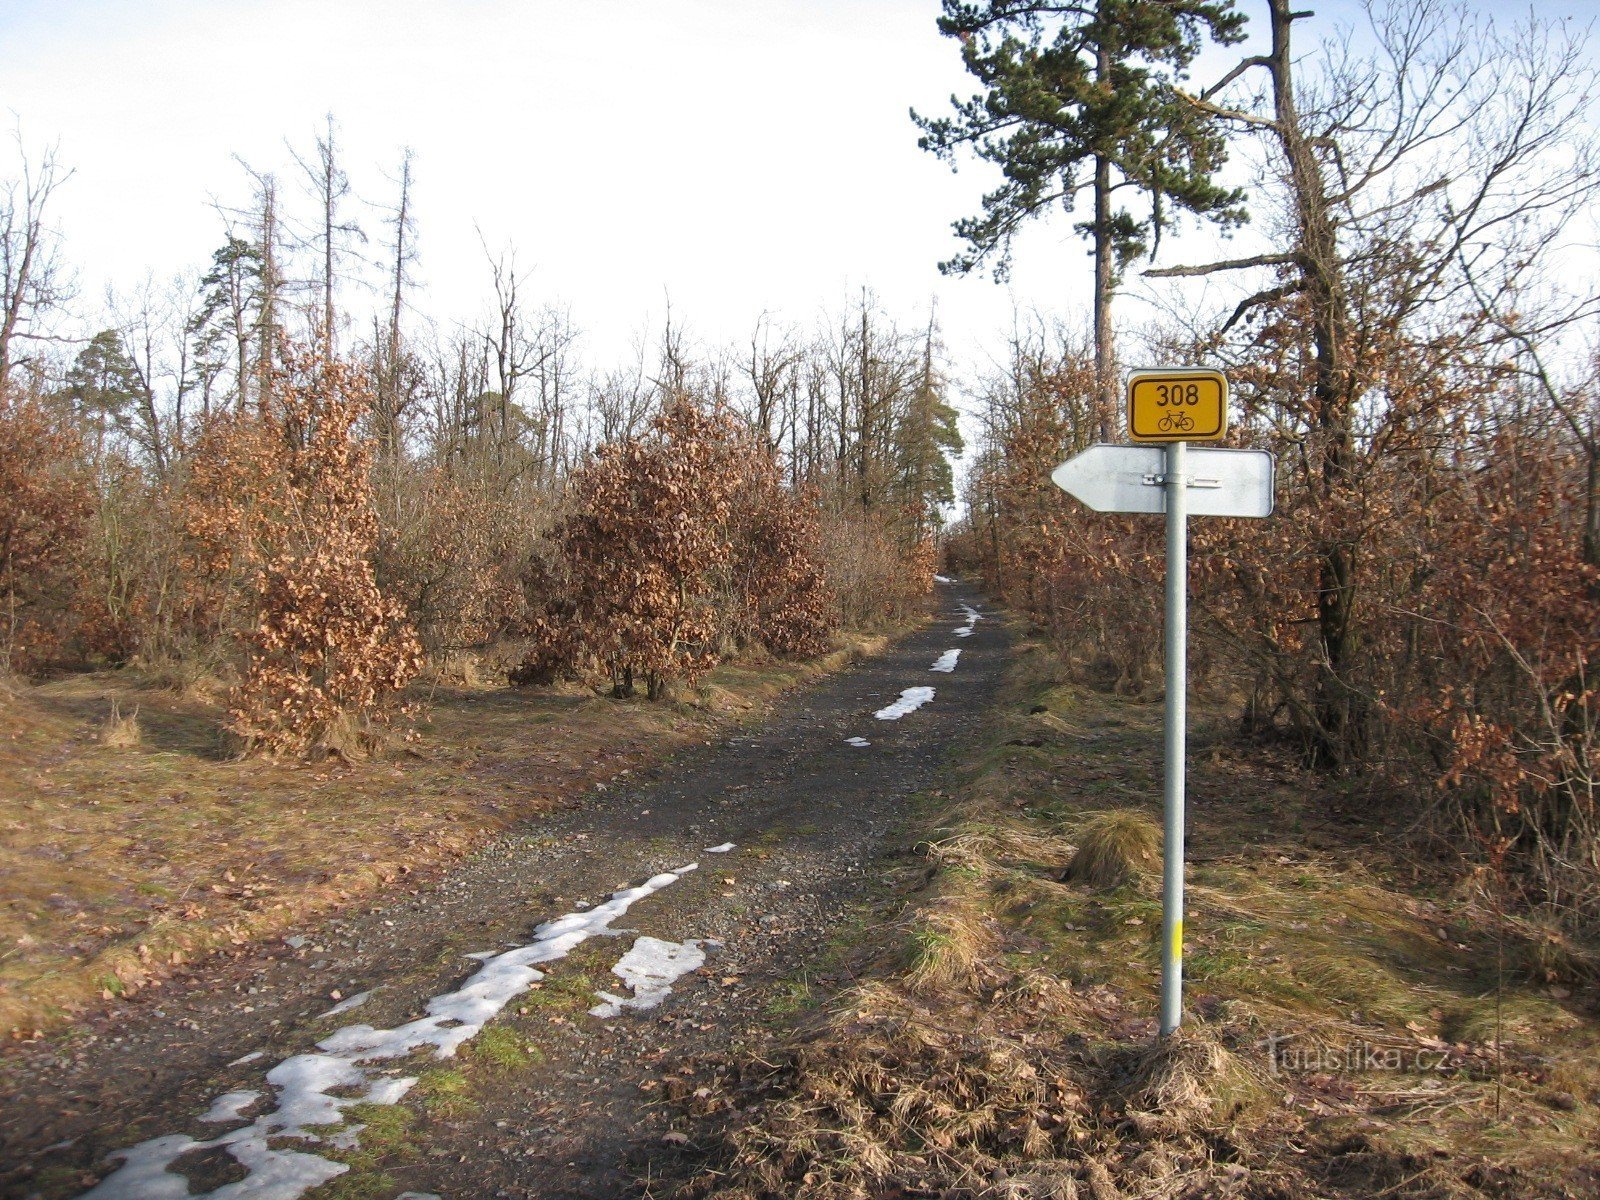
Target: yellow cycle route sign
point(1179, 405)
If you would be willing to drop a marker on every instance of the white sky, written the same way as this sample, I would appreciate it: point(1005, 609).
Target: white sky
point(741, 155)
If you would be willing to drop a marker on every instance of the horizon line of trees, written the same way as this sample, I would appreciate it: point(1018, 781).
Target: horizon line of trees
point(219, 478)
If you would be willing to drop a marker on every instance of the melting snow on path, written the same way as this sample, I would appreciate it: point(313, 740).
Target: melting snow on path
point(910, 700)
point(942, 579)
point(722, 849)
point(973, 618)
point(946, 661)
point(227, 1107)
point(650, 969)
point(860, 743)
point(306, 1083)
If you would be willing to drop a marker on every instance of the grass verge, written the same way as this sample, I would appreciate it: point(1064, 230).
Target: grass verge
point(133, 847)
point(1356, 1023)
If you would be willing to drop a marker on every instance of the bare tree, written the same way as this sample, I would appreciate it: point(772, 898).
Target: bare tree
point(331, 235)
point(623, 402)
point(152, 323)
point(391, 396)
point(1407, 172)
point(33, 282)
point(772, 369)
point(514, 348)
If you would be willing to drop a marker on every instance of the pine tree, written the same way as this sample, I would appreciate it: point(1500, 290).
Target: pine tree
point(102, 385)
point(225, 322)
point(926, 433)
point(1079, 98)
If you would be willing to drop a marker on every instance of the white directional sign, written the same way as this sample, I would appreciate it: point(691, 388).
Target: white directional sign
point(1132, 479)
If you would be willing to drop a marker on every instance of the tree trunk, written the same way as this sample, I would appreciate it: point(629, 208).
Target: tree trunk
point(267, 317)
point(1104, 283)
point(1591, 524)
point(1105, 279)
point(1339, 710)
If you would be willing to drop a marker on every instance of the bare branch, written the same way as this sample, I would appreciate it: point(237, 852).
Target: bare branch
point(1231, 264)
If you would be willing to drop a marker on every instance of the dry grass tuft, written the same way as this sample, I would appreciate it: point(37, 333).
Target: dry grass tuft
point(1543, 951)
point(887, 1094)
point(1115, 847)
point(1343, 976)
point(979, 847)
point(120, 732)
point(1185, 1080)
point(713, 698)
point(195, 678)
point(461, 668)
point(951, 941)
point(1053, 1180)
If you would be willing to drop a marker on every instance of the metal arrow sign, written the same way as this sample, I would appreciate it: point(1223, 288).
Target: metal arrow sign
point(1131, 479)
point(1180, 481)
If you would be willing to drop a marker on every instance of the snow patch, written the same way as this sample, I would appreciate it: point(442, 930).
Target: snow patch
point(942, 579)
point(910, 700)
point(722, 849)
point(305, 1082)
point(973, 617)
point(946, 661)
point(650, 969)
point(245, 1058)
point(860, 743)
point(228, 1106)
point(348, 1003)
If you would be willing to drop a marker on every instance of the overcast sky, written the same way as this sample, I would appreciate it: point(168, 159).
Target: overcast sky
point(740, 155)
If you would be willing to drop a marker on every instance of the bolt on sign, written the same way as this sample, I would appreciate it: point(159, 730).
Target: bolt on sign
point(1177, 406)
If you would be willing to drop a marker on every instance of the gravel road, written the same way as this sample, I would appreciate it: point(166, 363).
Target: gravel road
point(810, 816)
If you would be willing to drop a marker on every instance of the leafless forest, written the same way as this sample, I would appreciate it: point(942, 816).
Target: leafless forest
point(237, 480)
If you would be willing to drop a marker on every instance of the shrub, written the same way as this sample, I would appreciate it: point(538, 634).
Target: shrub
point(281, 500)
point(46, 503)
point(640, 550)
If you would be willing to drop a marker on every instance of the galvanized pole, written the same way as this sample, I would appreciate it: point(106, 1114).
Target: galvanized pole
point(1176, 740)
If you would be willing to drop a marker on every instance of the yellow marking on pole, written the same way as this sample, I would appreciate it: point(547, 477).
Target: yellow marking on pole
point(1177, 939)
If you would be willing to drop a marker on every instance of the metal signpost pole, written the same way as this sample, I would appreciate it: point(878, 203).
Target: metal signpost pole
point(1172, 407)
point(1176, 739)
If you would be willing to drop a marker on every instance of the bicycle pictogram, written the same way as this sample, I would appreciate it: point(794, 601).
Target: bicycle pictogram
point(1175, 422)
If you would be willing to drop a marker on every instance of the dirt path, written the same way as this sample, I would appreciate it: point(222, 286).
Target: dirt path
point(548, 1101)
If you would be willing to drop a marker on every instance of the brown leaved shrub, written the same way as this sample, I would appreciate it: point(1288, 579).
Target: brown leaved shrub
point(282, 531)
point(46, 503)
point(675, 544)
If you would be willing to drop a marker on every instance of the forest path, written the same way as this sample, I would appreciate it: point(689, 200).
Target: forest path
point(547, 1100)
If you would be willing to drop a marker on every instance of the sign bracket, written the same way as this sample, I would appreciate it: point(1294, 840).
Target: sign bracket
point(1161, 480)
